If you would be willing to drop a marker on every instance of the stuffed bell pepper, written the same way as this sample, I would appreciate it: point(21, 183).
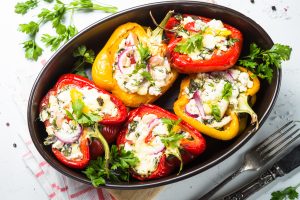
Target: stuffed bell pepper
point(211, 102)
point(70, 109)
point(133, 64)
point(199, 44)
point(160, 140)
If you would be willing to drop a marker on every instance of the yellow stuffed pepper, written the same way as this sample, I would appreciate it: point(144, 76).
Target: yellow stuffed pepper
point(133, 64)
point(210, 102)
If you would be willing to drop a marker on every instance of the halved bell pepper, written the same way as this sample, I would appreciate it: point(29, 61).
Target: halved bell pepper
point(57, 118)
point(103, 72)
point(170, 155)
point(220, 60)
point(230, 130)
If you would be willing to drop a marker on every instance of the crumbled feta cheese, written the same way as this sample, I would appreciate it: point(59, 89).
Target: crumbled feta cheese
point(209, 41)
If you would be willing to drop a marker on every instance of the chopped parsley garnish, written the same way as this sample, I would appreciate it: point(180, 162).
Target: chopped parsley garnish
point(227, 91)
point(192, 44)
point(194, 86)
point(216, 113)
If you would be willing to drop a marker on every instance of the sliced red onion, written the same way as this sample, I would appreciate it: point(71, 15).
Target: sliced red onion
point(121, 57)
point(148, 67)
point(69, 137)
point(154, 122)
point(159, 150)
point(228, 76)
point(199, 104)
point(190, 114)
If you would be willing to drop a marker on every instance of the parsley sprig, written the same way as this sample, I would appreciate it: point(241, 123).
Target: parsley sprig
point(56, 16)
point(261, 62)
point(119, 163)
point(287, 193)
point(85, 57)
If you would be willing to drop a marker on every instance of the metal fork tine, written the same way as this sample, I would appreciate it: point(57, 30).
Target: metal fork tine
point(272, 138)
point(286, 145)
point(278, 142)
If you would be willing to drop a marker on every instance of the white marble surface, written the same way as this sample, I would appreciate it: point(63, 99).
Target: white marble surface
point(16, 182)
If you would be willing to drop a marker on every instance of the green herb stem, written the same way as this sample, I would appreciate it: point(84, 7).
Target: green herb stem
point(99, 136)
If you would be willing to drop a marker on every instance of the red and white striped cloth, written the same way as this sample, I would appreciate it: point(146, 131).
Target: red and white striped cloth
point(55, 185)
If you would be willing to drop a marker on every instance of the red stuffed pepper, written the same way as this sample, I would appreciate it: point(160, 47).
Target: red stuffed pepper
point(199, 44)
point(70, 110)
point(160, 141)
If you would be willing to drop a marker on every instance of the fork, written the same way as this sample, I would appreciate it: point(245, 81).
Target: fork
point(263, 153)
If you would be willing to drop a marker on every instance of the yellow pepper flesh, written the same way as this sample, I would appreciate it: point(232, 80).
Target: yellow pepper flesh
point(230, 130)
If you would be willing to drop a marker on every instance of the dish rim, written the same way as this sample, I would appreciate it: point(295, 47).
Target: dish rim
point(162, 181)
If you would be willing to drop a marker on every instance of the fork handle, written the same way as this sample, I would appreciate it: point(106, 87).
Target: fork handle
point(220, 185)
point(263, 180)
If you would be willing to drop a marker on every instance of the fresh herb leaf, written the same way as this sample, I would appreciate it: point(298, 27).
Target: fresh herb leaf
point(23, 7)
point(172, 140)
point(288, 193)
point(144, 52)
point(190, 45)
point(31, 28)
point(215, 111)
point(85, 58)
point(55, 41)
point(119, 164)
point(261, 62)
point(96, 171)
point(148, 76)
point(56, 17)
point(77, 106)
point(32, 50)
point(227, 91)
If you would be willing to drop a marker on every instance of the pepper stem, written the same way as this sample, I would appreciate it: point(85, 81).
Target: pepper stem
point(97, 134)
point(157, 33)
point(243, 107)
point(175, 152)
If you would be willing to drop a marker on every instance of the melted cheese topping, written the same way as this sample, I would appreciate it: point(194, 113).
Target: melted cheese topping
point(212, 88)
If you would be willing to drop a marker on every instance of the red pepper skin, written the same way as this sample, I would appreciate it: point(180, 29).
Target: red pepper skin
point(189, 148)
point(109, 123)
point(184, 64)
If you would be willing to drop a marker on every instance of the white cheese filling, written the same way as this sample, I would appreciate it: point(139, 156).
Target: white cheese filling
point(218, 91)
point(95, 102)
point(215, 37)
point(134, 76)
point(148, 151)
